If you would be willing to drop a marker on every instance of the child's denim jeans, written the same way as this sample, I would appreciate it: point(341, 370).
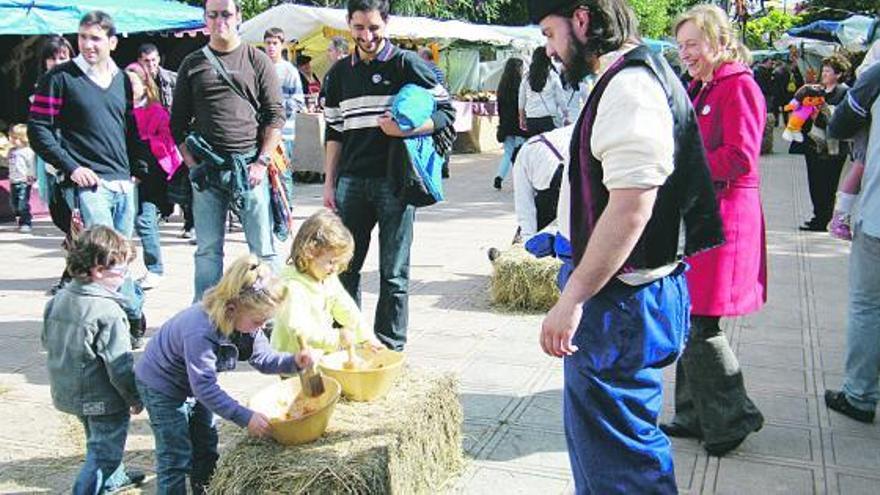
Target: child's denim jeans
point(186, 441)
point(105, 444)
point(20, 199)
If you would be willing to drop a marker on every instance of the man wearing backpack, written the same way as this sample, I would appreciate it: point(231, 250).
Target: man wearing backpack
point(227, 118)
point(359, 133)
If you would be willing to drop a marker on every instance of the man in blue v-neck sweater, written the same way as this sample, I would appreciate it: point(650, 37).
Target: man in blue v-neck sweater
point(81, 121)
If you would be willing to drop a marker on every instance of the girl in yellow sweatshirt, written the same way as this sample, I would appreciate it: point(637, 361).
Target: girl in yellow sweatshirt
point(321, 249)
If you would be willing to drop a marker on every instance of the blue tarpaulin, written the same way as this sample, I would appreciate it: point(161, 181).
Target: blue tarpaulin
point(36, 17)
point(852, 32)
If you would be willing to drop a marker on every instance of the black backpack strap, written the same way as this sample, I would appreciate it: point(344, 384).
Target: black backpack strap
point(221, 71)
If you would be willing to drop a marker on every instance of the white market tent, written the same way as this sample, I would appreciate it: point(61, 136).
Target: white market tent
point(301, 22)
point(312, 27)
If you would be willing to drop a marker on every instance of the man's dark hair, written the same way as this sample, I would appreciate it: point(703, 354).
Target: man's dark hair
point(612, 23)
point(382, 6)
point(146, 49)
point(274, 32)
point(101, 19)
point(237, 4)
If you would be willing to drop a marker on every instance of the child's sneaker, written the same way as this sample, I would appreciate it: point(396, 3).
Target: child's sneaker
point(25, 229)
point(838, 228)
point(130, 479)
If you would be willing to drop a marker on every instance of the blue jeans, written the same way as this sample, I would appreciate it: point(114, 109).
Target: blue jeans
point(20, 201)
point(362, 203)
point(210, 207)
point(102, 205)
point(613, 388)
point(863, 329)
point(511, 143)
point(105, 445)
point(147, 227)
point(186, 441)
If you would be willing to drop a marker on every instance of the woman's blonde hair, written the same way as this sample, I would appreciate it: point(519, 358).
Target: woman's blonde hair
point(716, 28)
point(321, 232)
point(151, 89)
point(248, 285)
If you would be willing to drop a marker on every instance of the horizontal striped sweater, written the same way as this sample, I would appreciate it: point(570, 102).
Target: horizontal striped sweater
point(359, 92)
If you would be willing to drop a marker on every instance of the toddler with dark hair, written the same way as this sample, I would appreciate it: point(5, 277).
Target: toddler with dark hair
point(91, 368)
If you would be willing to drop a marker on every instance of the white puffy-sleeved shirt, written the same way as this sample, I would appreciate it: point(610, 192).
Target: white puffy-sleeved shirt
point(633, 138)
point(535, 166)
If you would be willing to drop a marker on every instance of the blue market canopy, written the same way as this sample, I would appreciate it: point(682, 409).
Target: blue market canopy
point(852, 32)
point(35, 17)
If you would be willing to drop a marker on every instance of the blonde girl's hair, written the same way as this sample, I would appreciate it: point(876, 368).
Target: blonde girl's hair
point(151, 89)
point(716, 27)
point(97, 247)
point(248, 285)
point(20, 131)
point(321, 232)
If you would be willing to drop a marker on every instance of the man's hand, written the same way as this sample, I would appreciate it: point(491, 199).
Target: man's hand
point(329, 196)
point(84, 177)
point(256, 174)
point(259, 425)
point(559, 327)
point(389, 126)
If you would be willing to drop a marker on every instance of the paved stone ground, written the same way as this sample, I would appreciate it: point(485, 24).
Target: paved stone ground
point(790, 352)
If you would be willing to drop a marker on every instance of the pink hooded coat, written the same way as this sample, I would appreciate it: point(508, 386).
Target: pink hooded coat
point(732, 279)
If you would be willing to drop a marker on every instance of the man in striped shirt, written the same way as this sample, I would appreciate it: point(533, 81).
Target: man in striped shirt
point(359, 91)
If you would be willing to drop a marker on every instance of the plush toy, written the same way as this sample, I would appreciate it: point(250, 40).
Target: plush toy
point(805, 105)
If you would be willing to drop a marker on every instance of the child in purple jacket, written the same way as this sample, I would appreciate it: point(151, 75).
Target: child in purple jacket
point(177, 375)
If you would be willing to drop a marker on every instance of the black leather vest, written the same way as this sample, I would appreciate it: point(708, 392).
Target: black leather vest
point(686, 197)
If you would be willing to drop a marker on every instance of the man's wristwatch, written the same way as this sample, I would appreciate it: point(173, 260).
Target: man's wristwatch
point(265, 159)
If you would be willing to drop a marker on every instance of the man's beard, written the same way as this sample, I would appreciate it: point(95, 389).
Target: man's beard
point(581, 62)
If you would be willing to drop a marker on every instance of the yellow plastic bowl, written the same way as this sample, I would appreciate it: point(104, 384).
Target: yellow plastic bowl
point(274, 401)
point(369, 383)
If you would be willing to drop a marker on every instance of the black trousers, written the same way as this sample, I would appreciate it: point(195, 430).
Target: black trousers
point(710, 394)
point(539, 125)
point(823, 174)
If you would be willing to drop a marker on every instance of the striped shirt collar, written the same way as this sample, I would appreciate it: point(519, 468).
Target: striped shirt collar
point(387, 51)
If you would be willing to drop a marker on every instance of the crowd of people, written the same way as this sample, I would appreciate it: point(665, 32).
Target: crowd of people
point(654, 186)
point(127, 144)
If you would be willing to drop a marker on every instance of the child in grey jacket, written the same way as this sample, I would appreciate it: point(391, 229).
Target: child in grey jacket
point(91, 372)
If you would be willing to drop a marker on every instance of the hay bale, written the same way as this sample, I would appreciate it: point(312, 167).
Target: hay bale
point(410, 442)
point(521, 282)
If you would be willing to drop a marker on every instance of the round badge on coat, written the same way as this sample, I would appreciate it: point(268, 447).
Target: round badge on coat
point(377, 78)
point(706, 109)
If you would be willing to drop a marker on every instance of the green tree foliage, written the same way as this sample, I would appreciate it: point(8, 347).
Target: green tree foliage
point(654, 15)
point(762, 31)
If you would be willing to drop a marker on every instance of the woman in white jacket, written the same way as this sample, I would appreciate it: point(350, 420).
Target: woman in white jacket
point(541, 97)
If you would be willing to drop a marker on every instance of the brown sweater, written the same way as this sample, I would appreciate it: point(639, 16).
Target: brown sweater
point(204, 103)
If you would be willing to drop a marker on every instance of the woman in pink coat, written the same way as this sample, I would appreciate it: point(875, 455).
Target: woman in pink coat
point(710, 397)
